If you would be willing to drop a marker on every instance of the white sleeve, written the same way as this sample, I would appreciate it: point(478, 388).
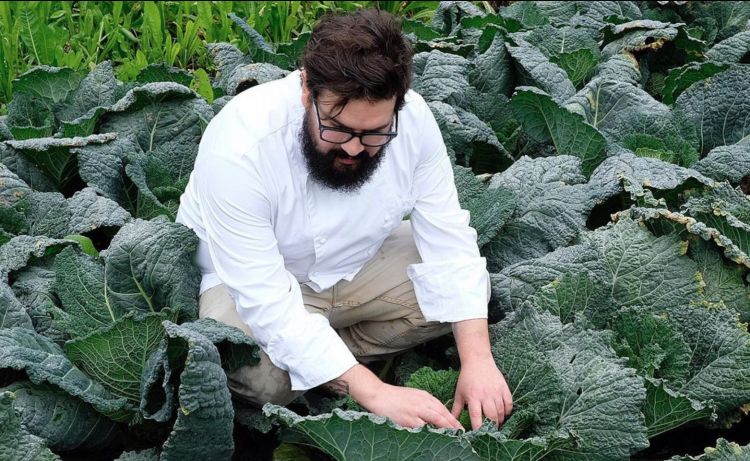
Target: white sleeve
point(452, 279)
point(237, 219)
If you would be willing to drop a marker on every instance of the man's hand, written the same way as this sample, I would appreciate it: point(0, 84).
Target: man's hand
point(411, 407)
point(483, 389)
point(481, 386)
point(405, 406)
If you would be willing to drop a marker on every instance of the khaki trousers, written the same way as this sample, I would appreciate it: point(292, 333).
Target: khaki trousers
point(376, 315)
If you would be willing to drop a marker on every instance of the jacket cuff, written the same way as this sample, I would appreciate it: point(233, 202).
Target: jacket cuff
point(451, 291)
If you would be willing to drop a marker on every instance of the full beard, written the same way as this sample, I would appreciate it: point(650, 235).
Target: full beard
point(336, 169)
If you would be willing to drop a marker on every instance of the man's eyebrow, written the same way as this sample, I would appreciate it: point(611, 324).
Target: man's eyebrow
point(340, 125)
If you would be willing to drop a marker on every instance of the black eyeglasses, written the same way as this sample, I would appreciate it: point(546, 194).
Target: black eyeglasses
point(338, 135)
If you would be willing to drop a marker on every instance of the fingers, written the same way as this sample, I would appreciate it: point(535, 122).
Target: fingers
point(492, 412)
point(438, 415)
point(439, 419)
point(475, 414)
point(508, 399)
point(458, 406)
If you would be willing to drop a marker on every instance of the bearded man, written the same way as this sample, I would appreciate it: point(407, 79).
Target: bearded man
point(298, 197)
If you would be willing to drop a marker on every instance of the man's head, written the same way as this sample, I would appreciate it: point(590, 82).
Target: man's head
point(357, 69)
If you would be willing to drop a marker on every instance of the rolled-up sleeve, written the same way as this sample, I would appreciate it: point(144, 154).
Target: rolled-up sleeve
point(243, 248)
point(451, 281)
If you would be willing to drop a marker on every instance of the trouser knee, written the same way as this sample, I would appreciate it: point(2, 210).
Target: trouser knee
point(262, 383)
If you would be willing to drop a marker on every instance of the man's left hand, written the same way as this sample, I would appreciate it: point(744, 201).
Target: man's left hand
point(482, 387)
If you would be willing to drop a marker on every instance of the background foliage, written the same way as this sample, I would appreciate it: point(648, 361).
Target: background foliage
point(602, 148)
point(134, 34)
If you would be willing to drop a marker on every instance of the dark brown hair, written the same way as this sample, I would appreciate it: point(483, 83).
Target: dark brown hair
point(360, 55)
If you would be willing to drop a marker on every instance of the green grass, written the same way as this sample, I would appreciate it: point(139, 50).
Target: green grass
point(135, 34)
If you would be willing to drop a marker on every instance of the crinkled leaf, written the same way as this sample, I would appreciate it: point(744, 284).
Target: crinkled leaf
point(30, 117)
point(492, 73)
point(469, 140)
point(681, 78)
point(723, 282)
point(448, 15)
point(236, 348)
point(93, 96)
point(25, 169)
point(12, 192)
point(725, 209)
point(528, 14)
point(101, 166)
point(227, 58)
point(718, 107)
point(348, 435)
point(595, 15)
point(622, 67)
point(86, 303)
point(203, 429)
point(664, 221)
point(651, 172)
point(636, 262)
point(730, 17)
point(33, 288)
point(724, 450)
point(152, 454)
point(651, 345)
point(51, 84)
point(16, 443)
point(536, 70)
point(90, 211)
point(576, 294)
point(47, 213)
point(644, 35)
point(116, 355)
point(249, 75)
point(157, 386)
point(63, 421)
point(599, 399)
point(516, 283)
point(579, 65)
point(618, 109)
point(141, 201)
point(546, 121)
point(149, 266)
point(19, 251)
point(5, 133)
point(719, 368)
point(669, 149)
point(163, 114)
point(727, 163)
point(666, 409)
point(55, 157)
point(733, 49)
point(443, 77)
point(12, 312)
point(556, 41)
point(44, 361)
point(489, 208)
point(551, 209)
point(161, 73)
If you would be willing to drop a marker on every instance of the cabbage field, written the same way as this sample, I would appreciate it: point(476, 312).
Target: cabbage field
point(603, 149)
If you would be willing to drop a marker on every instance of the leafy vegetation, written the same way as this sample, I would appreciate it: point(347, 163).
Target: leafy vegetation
point(600, 146)
point(133, 34)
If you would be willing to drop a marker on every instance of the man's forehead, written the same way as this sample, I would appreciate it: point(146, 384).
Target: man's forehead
point(358, 114)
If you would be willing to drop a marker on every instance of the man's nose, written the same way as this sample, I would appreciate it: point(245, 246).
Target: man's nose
point(353, 147)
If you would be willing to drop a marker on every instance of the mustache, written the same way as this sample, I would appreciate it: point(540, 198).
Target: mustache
point(340, 153)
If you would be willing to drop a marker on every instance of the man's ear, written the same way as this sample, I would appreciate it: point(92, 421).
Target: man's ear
point(306, 97)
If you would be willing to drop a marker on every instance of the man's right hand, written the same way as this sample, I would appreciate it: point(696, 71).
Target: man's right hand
point(404, 406)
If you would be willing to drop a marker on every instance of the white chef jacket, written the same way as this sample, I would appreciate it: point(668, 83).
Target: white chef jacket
point(265, 226)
